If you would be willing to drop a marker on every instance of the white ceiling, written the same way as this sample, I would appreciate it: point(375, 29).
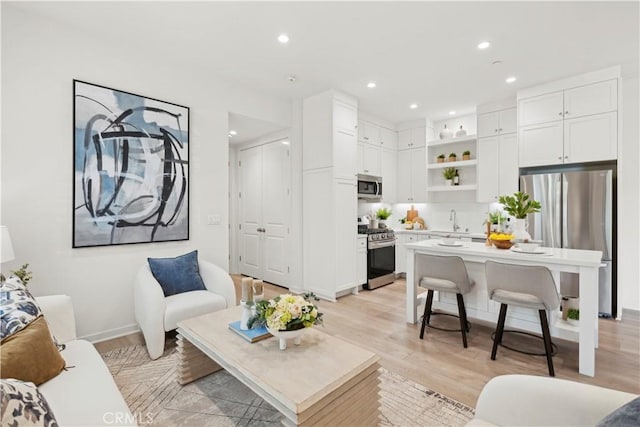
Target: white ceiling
point(249, 128)
point(423, 52)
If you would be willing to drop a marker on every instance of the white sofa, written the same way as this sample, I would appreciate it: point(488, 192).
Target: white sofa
point(156, 313)
point(518, 400)
point(84, 394)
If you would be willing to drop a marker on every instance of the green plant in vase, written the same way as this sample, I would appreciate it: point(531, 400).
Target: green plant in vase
point(383, 213)
point(466, 155)
point(441, 158)
point(452, 157)
point(519, 206)
point(448, 174)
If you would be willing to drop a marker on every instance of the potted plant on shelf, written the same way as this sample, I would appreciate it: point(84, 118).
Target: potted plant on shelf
point(466, 155)
point(519, 206)
point(383, 214)
point(448, 174)
point(573, 316)
point(452, 157)
point(441, 158)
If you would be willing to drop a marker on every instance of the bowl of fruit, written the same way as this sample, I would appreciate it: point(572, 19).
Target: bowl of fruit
point(501, 240)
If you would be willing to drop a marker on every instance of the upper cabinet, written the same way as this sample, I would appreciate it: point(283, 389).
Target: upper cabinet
point(573, 125)
point(497, 123)
point(412, 138)
point(388, 138)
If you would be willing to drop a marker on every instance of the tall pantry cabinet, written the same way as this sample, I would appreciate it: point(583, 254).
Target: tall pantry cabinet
point(329, 196)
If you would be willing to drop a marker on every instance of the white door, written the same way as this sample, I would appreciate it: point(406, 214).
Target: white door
point(591, 138)
point(403, 188)
point(264, 212)
point(419, 174)
point(404, 139)
point(388, 162)
point(509, 174)
point(371, 133)
point(388, 138)
point(540, 109)
point(488, 124)
point(250, 164)
point(540, 144)
point(346, 206)
point(489, 169)
point(591, 99)
point(418, 137)
point(508, 120)
point(371, 160)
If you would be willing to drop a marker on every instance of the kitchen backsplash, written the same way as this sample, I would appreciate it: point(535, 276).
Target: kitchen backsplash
point(436, 215)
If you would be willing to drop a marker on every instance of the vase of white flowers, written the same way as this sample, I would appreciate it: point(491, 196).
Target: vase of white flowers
point(287, 316)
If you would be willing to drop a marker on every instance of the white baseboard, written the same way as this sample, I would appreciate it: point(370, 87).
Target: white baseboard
point(111, 333)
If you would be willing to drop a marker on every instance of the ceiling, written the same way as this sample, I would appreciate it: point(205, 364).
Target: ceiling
point(416, 52)
point(249, 128)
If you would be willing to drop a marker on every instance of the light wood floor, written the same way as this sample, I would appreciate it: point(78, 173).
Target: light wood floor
point(376, 320)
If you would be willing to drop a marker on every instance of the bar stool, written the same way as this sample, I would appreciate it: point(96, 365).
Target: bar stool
point(523, 286)
point(443, 274)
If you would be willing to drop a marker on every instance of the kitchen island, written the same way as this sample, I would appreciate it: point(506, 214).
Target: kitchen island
point(584, 263)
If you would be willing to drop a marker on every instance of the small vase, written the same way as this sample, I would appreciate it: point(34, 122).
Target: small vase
point(446, 133)
point(448, 181)
point(283, 336)
point(466, 157)
point(460, 132)
point(440, 159)
point(520, 230)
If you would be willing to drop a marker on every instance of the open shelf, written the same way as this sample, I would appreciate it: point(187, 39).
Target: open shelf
point(452, 188)
point(456, 164)
point(448, 141)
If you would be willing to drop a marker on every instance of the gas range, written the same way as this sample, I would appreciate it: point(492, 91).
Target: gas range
point(377, 234)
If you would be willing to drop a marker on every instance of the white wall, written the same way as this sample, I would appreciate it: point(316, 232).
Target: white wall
point(628, 196)
point(39, 61)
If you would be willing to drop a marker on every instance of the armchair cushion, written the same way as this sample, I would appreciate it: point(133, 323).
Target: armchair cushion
point(190, 304)
point(177, 275)
point(626, 415)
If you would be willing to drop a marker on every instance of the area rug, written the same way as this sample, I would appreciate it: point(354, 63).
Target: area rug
point(155, 398)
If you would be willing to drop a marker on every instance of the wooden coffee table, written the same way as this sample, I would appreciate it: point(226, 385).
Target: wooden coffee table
point(324, 381)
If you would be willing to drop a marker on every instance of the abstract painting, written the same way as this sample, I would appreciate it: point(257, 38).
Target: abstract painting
point(131, 168)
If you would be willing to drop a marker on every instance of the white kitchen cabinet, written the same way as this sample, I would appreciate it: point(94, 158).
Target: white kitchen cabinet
point(591, 138)
point(371, 133)
point(361, 255)
point(329, 202)
point(369, 159)
point(412, 138)
point(497, 167)
point(401, 250)
point(412, 175)
point(574, 125)
point(388, 138)
point(388, 172)
point(497, 123)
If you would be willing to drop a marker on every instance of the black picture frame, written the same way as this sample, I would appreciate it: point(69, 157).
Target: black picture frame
point(131, 157)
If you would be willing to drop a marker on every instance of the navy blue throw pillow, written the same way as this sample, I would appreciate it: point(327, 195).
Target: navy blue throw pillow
point(177, 275)
point(626, 415)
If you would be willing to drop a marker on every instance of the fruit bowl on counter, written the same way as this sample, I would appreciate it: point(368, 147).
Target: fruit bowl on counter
point(501, 240)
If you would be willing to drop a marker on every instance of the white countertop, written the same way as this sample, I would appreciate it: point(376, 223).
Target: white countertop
point(442, 233)
point(575, 257)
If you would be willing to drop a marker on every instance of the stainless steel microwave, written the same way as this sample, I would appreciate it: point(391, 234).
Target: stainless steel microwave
point(369, 187)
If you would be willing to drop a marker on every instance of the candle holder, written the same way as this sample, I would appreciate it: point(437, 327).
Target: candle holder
point(247, 312)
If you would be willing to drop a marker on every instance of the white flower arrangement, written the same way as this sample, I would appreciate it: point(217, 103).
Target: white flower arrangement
point(287, 313)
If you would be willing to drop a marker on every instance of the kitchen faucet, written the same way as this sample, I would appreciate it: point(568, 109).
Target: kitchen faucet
point(453, 217)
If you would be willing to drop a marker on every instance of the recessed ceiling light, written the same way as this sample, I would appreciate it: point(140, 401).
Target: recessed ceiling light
point(452, 113)
point(510, 79)
point(413, 106)
point(371, 85)
point(483, 45)
point(283, 38)
point(233, 132)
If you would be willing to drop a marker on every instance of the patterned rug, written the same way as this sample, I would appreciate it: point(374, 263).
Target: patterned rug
point(155, 397)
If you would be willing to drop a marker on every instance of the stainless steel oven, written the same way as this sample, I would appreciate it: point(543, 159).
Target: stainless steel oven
point(381, 257)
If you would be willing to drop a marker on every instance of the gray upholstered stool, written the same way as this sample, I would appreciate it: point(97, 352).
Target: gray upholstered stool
point(443, 274)
point(523, 286)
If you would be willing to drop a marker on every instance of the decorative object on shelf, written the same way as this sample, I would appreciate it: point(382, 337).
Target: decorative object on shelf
point(460, 132)
point(501, 240)
point(382, 215)
point(519, 206)
point(258, 291)
point(573, 316)
point(23, 274)
point(246, 302)
point(131, 168)
point(466, 155)
point(449, 174)
point(456, 178)
point(412, 214)
point(440, 158)
point(446, 133)
point(286, 314)
point(452, 157)
point(567, 304)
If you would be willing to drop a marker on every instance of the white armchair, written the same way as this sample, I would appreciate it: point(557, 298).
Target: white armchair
point(156, 313)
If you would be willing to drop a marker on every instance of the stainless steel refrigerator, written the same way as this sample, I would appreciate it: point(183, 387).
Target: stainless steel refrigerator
point(578, 212)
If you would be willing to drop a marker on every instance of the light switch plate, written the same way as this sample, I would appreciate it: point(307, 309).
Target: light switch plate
point(213, 219)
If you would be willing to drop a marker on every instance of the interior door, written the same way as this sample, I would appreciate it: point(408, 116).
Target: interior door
point(250, 211)
point(264, 209)
point(275, 211)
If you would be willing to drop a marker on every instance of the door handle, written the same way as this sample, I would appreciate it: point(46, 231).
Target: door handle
point(261, 230)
